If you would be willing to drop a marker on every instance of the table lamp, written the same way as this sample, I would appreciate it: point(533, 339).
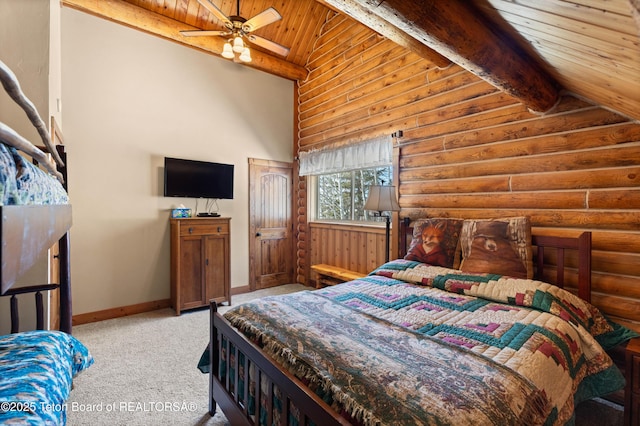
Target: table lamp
point(382, 198)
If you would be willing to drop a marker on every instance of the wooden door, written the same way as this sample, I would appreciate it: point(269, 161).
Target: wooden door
point(270, 223)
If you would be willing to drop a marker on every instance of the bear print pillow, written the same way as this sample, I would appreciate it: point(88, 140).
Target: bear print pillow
point(435, 241)
point(497, 246)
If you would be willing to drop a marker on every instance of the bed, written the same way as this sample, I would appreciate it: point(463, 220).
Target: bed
point(476, 348)
point(37, 366)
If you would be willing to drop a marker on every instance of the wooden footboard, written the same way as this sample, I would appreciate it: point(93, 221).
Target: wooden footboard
point(242, 395)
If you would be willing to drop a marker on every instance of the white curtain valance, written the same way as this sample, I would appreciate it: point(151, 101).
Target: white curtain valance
point(372, 153)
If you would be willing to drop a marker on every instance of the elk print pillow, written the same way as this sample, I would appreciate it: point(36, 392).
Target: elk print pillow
point(497, 246)
point(435, 241)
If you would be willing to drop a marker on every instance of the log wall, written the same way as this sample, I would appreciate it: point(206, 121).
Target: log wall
point(470, 151)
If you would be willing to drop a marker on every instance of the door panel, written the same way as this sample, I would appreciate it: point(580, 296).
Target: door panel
point(271, 227)
point(275, 260)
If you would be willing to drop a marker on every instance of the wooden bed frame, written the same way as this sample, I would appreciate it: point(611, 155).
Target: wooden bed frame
point(26, 232)
point(293, 390)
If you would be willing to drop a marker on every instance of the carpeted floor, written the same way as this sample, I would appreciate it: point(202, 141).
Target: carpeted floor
point(145, 369)
point(145, 372)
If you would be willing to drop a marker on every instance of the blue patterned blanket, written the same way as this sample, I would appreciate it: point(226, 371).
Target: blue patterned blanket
point(36, 374)
point(417, 344)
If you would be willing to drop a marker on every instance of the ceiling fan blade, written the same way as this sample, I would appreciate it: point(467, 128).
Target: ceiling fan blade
point(192, 33)
point(211, 7)
point(266, 17)
point(268, 44)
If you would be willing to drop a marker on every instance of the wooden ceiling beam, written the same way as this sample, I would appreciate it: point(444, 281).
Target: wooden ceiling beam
point(141, 19)
point(458, 31)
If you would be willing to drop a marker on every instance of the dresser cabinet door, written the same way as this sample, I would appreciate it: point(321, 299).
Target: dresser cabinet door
point(191, 286)
point(216, 271)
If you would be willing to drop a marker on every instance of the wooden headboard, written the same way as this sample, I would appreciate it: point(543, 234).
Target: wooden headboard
point(581, 244)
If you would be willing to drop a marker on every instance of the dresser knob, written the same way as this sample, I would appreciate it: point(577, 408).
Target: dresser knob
point(191, 230)
point(219, 228)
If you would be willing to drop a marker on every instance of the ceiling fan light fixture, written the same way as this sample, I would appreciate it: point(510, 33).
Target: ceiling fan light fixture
point(237, 28)
point(246, 55)
point(227, 51)
point(238, 44)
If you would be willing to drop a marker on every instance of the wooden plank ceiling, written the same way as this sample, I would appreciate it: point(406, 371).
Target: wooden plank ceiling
point(531, 49)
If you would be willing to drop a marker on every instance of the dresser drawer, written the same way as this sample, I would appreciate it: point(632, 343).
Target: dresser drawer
point(204, 229)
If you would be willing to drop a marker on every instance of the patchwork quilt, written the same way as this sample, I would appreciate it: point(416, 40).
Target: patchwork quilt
point(21, 182)
point(419, 344)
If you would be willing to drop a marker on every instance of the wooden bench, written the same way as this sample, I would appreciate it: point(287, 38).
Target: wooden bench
point(331, 275)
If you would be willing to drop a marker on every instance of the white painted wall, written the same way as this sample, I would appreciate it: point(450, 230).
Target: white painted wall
point(24, 32)
point(129, 100)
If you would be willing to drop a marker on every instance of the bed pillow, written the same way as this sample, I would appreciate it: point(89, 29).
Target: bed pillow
point(435, 241)
point(497, 246)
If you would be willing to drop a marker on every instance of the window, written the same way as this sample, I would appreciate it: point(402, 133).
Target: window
point(341, 196)
point(342, 176)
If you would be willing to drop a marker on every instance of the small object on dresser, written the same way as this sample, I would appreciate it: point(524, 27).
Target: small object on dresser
point(180, 213)
point(208, 214)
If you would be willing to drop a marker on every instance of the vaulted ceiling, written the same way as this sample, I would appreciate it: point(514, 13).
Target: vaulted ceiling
point(534, 50)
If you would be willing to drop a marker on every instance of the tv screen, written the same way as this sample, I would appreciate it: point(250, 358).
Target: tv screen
point(197, 179)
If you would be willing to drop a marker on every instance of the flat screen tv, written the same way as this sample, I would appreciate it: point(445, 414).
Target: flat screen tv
point(197, 179)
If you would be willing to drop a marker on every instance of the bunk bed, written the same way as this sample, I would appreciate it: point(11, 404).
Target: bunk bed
point(272, 362)
point(36, 367)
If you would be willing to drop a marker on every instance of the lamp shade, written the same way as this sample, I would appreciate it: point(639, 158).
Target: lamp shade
point(246, 55)
point(227, 51)
point(238, 45)
point(382, 198)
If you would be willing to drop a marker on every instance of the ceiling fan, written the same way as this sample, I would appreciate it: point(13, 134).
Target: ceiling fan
point(239, 28)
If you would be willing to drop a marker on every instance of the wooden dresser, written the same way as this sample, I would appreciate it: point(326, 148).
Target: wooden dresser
point(200, 262)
